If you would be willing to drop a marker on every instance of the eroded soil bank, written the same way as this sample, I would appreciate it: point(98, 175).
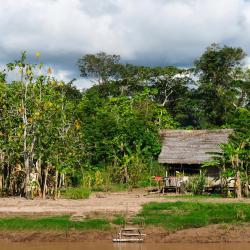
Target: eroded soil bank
point(107, 245)
point(108, 204)
point(209, 234)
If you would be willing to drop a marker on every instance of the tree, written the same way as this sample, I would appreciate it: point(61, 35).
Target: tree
point(216, 70)
point(122, 132)
point(242, 86)
point(240, 121)
point(99, 67)
point(38, 123)
point(25, 114)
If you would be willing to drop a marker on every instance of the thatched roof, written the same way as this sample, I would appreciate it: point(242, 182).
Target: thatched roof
point(191, 146)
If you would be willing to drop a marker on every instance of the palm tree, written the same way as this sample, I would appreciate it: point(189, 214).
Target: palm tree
point(233, 157)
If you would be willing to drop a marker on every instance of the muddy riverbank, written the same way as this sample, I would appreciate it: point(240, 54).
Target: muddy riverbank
point(209, 234)
point(109, 246)
point(127, 204)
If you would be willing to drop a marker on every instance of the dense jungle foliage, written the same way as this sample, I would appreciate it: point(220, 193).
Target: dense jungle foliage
point(54, 136)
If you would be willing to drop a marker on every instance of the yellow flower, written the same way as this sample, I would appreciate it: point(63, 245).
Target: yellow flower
point(20, 110)
point(49, 104)
point(38, 54)
point(77, 125)
point(30, 120)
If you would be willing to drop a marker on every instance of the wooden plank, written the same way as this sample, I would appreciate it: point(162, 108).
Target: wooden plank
point(131, 229)
point(131, 234)
point(128, 240)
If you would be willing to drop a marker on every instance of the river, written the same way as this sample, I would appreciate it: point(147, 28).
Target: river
point(110, 246)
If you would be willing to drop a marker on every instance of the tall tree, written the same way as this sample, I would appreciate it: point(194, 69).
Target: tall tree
point(99, 67)
point(216, 70)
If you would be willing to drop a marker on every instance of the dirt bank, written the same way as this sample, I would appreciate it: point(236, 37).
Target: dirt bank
point(121, 202)
point(110, 204)
point(209, 234)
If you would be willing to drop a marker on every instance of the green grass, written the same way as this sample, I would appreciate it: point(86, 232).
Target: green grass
point(52, 223)
point(76, 193)
point(191, 196)
point(118, 219)
point(179, 215)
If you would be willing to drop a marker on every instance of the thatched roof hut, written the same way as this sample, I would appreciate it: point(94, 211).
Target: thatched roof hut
point(191, 146)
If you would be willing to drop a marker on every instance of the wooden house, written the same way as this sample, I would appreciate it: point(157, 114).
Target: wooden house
point(184, 151)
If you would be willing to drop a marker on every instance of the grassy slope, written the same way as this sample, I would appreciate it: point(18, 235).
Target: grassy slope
point(179, 215)
point(51, 223)
point(169, 215)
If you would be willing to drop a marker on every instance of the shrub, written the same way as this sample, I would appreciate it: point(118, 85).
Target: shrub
point(197, 184)
point(76, 193)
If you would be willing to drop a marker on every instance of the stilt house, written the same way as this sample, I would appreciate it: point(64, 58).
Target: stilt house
point(184, 151)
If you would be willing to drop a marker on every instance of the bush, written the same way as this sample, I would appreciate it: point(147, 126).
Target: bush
point(197, 184)
point(76, 193)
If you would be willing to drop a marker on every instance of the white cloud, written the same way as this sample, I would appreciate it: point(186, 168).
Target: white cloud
point(66, 76)
point(141, 31)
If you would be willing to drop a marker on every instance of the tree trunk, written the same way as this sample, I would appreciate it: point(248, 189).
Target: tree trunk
point(59, 185)
point(247, 188)
point(38, 169)
point(247, 182)
point(45, 182)
point(1, 170)
point(56, 184)
point(5, 175)
point(238, 185)
point(126, 174)
point(27, 177)
point(25, 143)
point(223, 183)
point(62, 180)
point(1, 182)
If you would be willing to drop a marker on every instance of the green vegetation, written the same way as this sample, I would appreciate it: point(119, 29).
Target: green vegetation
point(197, 184)
point(193, 196)
point(119, 220)
point(76, 193)
point(180, 215)
point(54, 136)
point(61, 223)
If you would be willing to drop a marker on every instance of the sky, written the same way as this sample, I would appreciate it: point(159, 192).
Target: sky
point(144, 32)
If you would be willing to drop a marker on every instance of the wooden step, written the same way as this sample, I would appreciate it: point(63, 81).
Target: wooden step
point(128, 240)
point(131, 234)
point(131, 229)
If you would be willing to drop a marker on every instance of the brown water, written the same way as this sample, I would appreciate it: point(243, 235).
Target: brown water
point(110, 246)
